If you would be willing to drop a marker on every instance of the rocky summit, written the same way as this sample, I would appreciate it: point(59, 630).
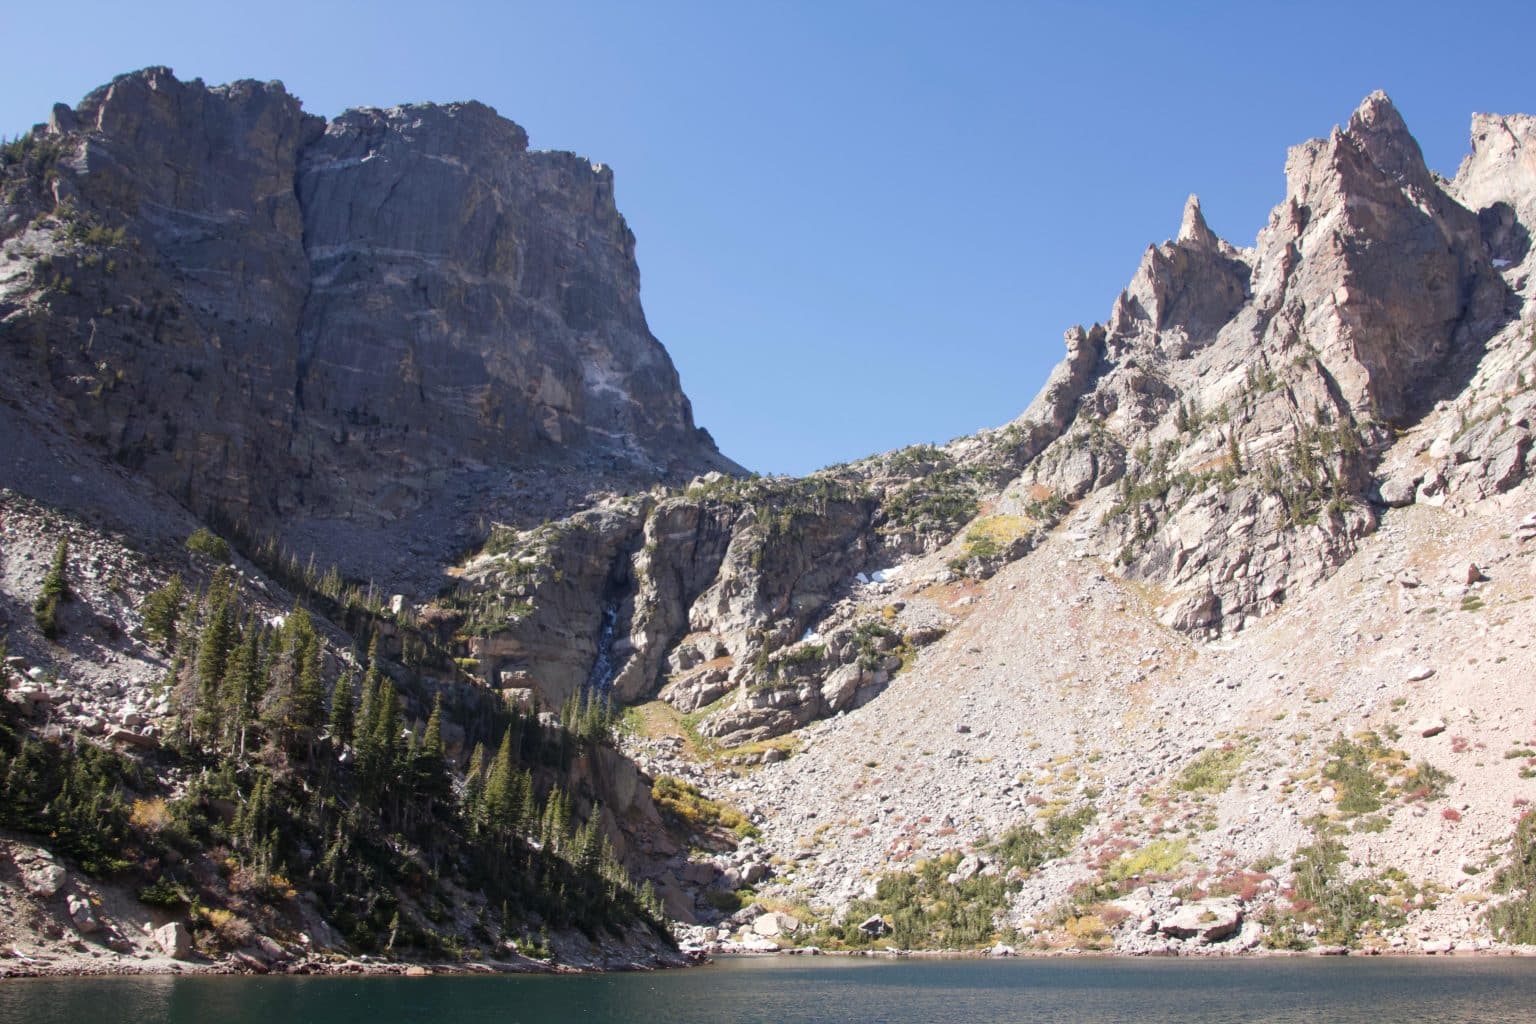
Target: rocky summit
point(368, 321)
point(1220, 646)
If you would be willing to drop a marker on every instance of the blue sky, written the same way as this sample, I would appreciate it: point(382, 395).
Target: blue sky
point(860, 224)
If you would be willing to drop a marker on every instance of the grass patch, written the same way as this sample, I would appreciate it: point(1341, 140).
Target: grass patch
point(1214, 770)
point(1159, 857)
point(698, 813)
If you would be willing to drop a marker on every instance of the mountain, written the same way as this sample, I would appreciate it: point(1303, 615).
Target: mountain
point(383, 326)
point(1217, 645)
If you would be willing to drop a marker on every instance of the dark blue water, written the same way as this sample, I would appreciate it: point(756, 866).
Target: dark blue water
point(784, 991)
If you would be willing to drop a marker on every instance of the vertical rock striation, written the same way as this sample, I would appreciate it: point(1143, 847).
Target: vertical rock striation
point(281, 319)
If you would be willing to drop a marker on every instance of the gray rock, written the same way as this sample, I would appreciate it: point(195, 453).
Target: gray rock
point(1205, 920)
point(386, 353)
point(874, 926)
point(42, 878)
point(174, 940)
point(774, 925)
point(82, 915)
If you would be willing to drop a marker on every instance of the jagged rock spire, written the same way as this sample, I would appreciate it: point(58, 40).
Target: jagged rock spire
point(1193, 229)
point(1382, 134)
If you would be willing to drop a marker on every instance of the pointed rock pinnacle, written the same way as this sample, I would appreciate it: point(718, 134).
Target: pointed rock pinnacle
point(1193, 229)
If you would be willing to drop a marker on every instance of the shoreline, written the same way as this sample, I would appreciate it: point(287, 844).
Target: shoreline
point(12, 970)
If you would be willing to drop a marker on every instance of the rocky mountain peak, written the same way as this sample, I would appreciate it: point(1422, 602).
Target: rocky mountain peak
point(403, 304)
point(1192, 227)
point(1379, 130)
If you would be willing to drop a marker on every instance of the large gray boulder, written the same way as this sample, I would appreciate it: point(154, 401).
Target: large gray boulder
point(174, 940)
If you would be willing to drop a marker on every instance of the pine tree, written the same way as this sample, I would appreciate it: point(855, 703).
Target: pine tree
point(309, 695)
point(367, 715)
point(161, 611)
point(55, 591)
point(240, 692)
point(295, 702)
point(213, 650)
point(341, 718)
point(378, 740)
point(591, 844)
point(503, 801)
point(473, 802)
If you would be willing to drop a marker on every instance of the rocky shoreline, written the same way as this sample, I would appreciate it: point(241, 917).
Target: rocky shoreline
point(370, 967)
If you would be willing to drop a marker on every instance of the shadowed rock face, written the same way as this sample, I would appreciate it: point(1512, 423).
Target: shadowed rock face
point(332, 320)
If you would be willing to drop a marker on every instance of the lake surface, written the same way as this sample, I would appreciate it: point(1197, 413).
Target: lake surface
point(789, 991)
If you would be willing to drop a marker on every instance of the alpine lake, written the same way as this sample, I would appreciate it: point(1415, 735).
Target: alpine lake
point(784, 990)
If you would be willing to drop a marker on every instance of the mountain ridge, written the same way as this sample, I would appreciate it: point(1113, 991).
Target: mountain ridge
point(1050, 667)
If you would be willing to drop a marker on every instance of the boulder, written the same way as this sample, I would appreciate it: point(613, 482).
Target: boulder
point(175, 940)
point(42, 877)
point(1204, 921)
point(82, 916)
point(874, 927)
point(969, 867)
point(774, 924)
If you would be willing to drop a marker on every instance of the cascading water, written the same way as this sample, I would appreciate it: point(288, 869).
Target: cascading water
point(600, 678)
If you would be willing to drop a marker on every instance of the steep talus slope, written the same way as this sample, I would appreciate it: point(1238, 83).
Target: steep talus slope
point(317, 328)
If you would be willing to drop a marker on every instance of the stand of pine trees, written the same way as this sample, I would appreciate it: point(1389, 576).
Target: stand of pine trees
point(304, 776)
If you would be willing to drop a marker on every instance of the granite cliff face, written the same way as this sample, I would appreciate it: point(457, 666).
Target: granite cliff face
point(284, 321)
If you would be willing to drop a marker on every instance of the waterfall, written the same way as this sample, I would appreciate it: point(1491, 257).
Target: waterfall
point(600, 678)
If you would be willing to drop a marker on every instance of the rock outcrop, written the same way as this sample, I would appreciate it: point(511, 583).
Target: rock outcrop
point(1247, 396)
point(374, 320)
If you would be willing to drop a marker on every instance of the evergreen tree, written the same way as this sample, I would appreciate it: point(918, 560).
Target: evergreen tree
point(309, 695)
point(213, 650)
point(474, 789)
point(55, 591)
point(591, 844)
point(503, 799)
point(378, 740)
point(295, 702)
point(341, 718)
point(240, 694)
point(161, 611)
point(367, 716)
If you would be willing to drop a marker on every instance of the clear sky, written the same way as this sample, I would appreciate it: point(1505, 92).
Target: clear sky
point(861, 224)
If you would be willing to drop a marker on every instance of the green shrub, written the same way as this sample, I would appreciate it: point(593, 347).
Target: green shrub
point(1214, 770)
point(1515, 919)
point(165, 893)
point(205, 542)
